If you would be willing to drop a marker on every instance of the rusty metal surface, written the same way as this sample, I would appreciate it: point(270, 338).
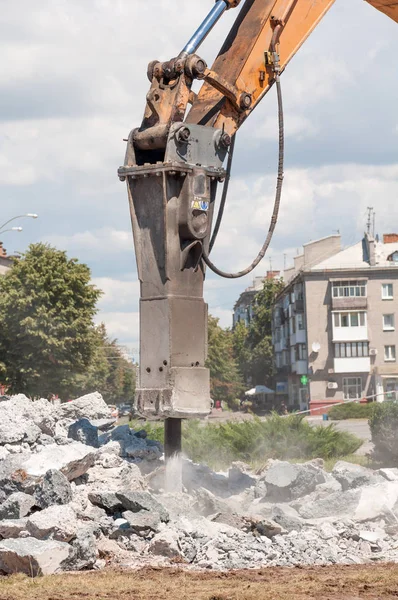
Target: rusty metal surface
point(241, 61)
point(388, 7)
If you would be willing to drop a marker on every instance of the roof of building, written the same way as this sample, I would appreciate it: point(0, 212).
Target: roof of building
point(354, 257)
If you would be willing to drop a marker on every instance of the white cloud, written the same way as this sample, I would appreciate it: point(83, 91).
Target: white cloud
point(121, 325)
point(119, 295)
point(92, 243)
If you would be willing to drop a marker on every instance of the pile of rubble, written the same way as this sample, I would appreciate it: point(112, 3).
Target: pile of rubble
point(78, 492)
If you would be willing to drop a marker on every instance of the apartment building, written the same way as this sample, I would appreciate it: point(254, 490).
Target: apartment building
point(335, 325)
point(243, 309)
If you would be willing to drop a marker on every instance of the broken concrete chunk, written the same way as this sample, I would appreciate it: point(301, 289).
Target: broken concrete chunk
point(83, 553)
point(336, 504)
point(12, 528)
point(142, 522)
point(73, 460)
point(389, 474)
point(106, 500)
point(137, 501)
point(56, 522)
point(90, 406)
point(54, 489)
point(285, 481)
point(32, 557)
point(83, 431)
point(353, 476)
point(165, 544)
point(286, 517)
point(16, 506)
point(126, 477)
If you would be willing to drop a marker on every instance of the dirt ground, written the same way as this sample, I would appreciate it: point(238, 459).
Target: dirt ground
point(374, 581)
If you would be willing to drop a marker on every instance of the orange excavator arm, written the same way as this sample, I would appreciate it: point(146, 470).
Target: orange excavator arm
point(388, 7)
point(244, 70)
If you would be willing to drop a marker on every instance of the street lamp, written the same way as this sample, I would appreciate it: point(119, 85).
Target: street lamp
point(11, 229)
point(31, 215)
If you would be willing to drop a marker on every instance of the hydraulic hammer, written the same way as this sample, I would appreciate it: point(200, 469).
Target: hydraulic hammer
point(172, 170)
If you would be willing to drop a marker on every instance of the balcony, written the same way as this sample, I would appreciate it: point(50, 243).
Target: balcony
point(299, 305)
point(300, 367)
point(352, 365)
point(350, 303)
point(301, 336)
point(350, 334)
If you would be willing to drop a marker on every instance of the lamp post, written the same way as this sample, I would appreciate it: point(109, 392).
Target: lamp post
point(11, 229)
point(30, 215)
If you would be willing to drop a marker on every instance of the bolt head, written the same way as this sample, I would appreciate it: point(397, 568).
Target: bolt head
point(225, 140)
point(245, 101)
point(183, 134)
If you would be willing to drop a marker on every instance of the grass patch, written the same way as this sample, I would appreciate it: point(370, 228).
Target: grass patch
point(256, 441)
point(351, 411)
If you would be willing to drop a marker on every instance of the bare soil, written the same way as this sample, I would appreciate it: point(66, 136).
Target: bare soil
point(376, 581)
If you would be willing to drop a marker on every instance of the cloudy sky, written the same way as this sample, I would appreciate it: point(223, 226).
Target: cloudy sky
point(73, 84)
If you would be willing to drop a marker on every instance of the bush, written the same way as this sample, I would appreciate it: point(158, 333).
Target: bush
point(256, 441)
point(353, 410)
point(384, 426)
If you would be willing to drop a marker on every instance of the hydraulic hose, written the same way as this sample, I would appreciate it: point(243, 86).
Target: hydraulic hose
point(278, 193)
point(224, 195)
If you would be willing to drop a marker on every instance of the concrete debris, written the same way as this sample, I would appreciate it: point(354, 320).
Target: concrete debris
point(73, 460)
point(83, 431)
point(142, 501)
point(106, 500)
point(285, 482)
point(54, 489)
point(12, 528)
point(56, 522)
point(91, 406)
point(32, 557)
point(82, 502)
point(16, 506)
point(353, 476)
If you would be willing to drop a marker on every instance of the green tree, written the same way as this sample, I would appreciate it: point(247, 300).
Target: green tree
point(253, 349)
point(109, 372)
point(47, 305)
point(226, 381)
point(241, 350)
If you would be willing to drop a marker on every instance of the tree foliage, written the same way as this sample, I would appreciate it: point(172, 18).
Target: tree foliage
point(226, 381)
point(253, 345)
point(49, 343)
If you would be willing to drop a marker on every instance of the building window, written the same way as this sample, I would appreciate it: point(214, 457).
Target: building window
point(388, 323)
point(393, 257)
point(278, 360)
point(301, 352)
point(352, 388)
point(349, 319)
point(349, 289)
point(300, 322)
point(387, 291)
point(389, 353)
point(351, 350)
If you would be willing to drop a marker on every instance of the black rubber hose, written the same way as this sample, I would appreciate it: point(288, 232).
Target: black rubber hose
point(274, 218)
point(224, 195)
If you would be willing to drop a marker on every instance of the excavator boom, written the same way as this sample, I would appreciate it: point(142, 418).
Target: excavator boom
point(388, 7)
